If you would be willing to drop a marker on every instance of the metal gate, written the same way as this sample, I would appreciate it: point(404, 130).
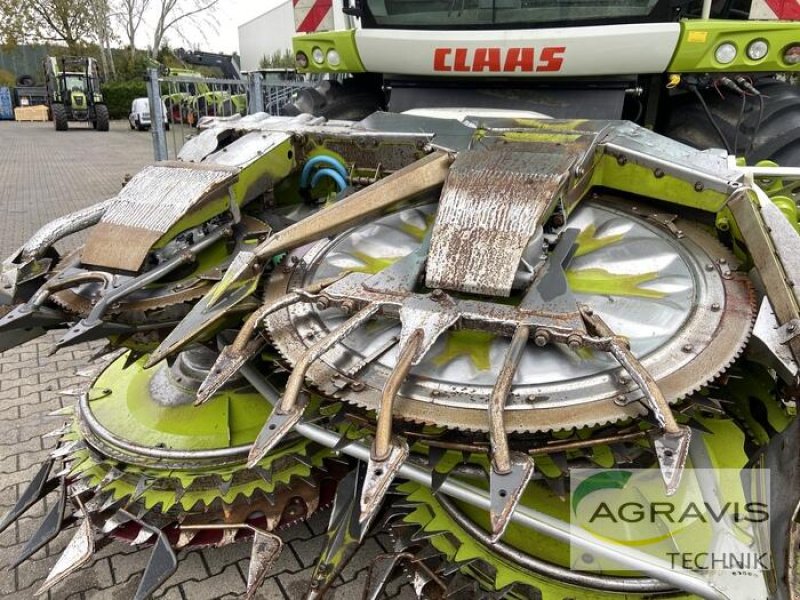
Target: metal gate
point(177, 104)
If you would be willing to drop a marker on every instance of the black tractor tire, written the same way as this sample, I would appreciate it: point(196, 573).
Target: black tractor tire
point(101, 117)
point(774, 136)
point(59, 116)
point(351, 100)
point(25, 81)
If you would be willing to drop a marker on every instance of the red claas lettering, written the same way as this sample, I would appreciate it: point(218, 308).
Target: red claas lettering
point(498, 60)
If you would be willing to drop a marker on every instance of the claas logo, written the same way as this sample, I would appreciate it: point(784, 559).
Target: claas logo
point(499, 60)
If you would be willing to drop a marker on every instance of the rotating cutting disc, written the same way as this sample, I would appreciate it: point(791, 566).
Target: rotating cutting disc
point(671, 291)
point(138, 443)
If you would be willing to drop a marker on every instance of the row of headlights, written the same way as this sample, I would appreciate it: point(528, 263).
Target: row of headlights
point(756, 50)
point(319, 57)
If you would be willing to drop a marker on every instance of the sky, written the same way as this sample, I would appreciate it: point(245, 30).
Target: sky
point(229, 15)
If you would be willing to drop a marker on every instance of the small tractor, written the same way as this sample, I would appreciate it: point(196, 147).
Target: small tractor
point(73, 92)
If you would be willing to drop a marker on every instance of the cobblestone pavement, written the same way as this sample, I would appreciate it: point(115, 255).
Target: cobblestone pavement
point(44, 174)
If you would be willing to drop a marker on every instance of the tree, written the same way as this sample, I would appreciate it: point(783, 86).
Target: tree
point(66, 21)
point(284, 60)
point(173, 14)
point(131, 14)
point(101, 21)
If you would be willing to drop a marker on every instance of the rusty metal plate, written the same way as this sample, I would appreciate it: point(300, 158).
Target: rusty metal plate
point(491, 206)
point(146, 208)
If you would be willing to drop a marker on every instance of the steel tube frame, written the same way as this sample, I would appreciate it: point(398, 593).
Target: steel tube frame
point(529, 517)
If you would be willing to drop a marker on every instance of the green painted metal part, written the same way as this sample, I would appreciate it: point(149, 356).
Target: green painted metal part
point(273, 166)
point(756, 417)
point(344, 42)
point(700, 38)
point(230, 418)
point(120, 399)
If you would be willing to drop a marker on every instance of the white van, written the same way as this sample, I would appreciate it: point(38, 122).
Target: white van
point(140, 114)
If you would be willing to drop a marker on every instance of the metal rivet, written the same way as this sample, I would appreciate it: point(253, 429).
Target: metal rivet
point(688, 348)
point(699, 187)
point(715, 307)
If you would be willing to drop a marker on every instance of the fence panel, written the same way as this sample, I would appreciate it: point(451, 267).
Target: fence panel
point(186, 100)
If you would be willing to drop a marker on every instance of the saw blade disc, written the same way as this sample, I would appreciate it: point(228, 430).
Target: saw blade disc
point(671, 290)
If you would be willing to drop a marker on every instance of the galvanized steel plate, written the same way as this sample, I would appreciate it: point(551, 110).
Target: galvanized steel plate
point(685, 312)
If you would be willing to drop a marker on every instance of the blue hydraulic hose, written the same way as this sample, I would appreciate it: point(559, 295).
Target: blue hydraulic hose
point(329, 161)
point(335, 175)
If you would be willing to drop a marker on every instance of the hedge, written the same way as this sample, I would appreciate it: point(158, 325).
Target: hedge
point(120, 94)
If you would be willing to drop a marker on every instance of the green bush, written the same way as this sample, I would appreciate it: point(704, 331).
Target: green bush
point(120, 94)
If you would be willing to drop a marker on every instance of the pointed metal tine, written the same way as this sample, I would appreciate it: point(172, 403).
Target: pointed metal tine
point(671, 452)
point(37, 489)
point(225, 485)
point(78, 552)
point(61, 412)
point(142, 484)
point(244, 347)
point(67, 448)
point(343, 439)
point(131, 357)
point(114, 521)
point(185, 536)
point(162, 564)
point(265, 551)
point(86, 331)
point(287, 414)
point(380, 571)
point(345, 532)
point(501, 461)
point(142, 537)
point(49, 528)
point(58, 433)
point(238, 283)
point(228, 537)
point(277, 426)
point(505, 491)
point(379, 476)
point(226, 366)
point(388, 452)
point(435, 455)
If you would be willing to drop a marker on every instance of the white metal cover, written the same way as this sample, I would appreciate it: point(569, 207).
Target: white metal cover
point(573, 51)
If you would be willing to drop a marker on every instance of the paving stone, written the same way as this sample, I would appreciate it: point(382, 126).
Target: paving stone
point(30, 380)
point(215, 586)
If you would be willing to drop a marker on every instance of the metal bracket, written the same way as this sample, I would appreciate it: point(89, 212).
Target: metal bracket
point(788, 331)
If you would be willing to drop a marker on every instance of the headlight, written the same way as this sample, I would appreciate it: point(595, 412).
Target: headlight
point(301, 59)
point(725, 53)
point(333, 58)
point(757, 49)
point(318, 55)
point(791, 56)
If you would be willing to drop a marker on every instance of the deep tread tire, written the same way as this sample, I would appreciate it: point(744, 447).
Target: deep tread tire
point(59, 117)
point(101, 117)
point(778, 137)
